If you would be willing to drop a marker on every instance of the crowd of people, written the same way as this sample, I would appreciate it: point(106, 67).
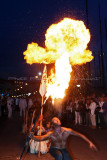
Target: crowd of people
point(88, 111)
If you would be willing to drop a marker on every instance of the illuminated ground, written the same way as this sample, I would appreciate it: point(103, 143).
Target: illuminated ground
point(12, 141)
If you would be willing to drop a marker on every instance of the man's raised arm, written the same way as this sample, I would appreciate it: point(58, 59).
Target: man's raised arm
point(91, 145)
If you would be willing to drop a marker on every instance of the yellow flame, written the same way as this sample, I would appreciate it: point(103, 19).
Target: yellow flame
point(37, 54)
point(65, 44)
point(59, 81)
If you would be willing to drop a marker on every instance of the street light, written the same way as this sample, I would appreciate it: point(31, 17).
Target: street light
point(36, 76)
point(78, 85)
point(29, 94)
point(39, 73)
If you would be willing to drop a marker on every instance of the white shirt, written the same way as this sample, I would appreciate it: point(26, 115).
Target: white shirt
point(30, 103)
point(22, 103)
point(101, 104)
point(92, 107)
point(76, 102)
point(9, 102)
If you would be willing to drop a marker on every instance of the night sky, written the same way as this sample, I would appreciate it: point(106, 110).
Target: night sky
point(26, 21)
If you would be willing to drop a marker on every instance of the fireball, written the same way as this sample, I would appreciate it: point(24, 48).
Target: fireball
point(65, 45)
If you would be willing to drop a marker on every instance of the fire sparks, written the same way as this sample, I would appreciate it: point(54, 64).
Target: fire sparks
point(65, 44)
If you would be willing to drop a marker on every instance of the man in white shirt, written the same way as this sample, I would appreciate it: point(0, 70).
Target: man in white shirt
point(92, 107)
point(9, 106)
point(22, 106)
point(77, 113)
point(101, 116)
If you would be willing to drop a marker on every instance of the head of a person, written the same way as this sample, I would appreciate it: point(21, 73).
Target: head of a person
point(92, 100)
point(55, 123)
point(105, 99)
point(100, 99)
point(93, 95)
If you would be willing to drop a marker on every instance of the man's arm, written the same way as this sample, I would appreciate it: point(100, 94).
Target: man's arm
point(91, 145)
point(41, 138)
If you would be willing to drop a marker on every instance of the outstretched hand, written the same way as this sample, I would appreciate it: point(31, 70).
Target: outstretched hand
point(93, 147)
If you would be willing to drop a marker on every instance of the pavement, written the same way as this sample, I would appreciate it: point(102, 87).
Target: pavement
point(12, 141)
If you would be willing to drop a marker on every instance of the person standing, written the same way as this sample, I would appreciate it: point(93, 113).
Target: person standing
point(17, 102)
point(92, 108)
point(83, 111)
point(88, 120)
point(30, 103)
point(9, 106)
point(101, 116)
point(77, 112)
point(104, 107)
point(22, 106)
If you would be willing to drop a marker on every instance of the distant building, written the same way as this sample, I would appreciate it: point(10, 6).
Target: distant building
point(19, 87)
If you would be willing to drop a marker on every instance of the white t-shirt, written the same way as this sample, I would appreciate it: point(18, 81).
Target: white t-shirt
point(92, 107)
point(101, 104)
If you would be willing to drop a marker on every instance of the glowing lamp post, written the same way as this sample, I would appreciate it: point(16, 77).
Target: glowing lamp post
point(78, 85)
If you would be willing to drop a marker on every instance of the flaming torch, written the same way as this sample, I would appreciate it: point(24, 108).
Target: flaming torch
point(65, 45)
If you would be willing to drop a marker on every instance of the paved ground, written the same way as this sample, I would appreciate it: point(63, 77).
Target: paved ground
point(12, 141)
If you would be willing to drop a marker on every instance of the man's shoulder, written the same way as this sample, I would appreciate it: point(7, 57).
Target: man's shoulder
point(65, 129)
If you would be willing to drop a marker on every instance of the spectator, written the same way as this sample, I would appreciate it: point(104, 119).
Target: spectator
point(104, 107)
point(30, 103)
point(88, 120)
point(22, 106)
point(17, 102)
point(101, 115)
point(92, 115)
point(9, 106)
point(77, 112)
point(83, 111)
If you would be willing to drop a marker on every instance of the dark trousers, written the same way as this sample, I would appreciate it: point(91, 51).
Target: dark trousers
point(88, 120)
point(83, 116)
point(101, 116)
point(99, 120)
point(60, 154)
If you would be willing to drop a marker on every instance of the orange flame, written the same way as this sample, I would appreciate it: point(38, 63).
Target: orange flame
point(60, 81)
point(66, 43)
